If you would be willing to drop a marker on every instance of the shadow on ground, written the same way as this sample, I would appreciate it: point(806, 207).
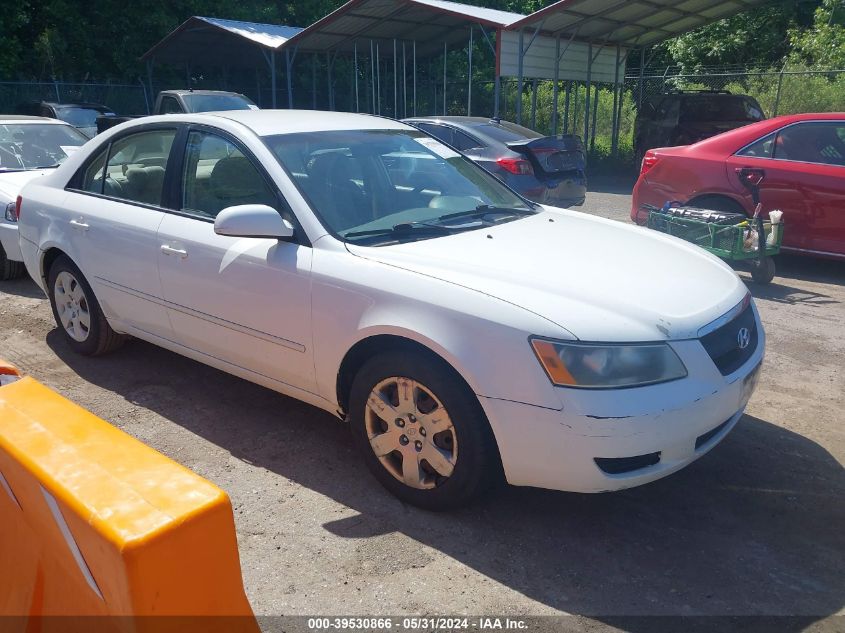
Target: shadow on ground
point(755, 527)
point(23, 287)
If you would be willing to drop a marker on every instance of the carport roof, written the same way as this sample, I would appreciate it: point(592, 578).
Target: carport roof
point(630, 23)
point(427, 22)
point(213, 41)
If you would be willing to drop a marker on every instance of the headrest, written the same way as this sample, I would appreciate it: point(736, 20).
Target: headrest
point(143, 176)
point(235, 177)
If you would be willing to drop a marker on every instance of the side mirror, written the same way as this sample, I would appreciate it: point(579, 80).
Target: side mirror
point(252, 220)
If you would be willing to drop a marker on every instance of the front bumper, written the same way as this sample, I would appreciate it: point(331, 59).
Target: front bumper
point(609, 440)
point(9, 240)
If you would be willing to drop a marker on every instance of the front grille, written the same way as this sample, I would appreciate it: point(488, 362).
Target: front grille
point(723, 344)
point(622, 465)
point(701, 440)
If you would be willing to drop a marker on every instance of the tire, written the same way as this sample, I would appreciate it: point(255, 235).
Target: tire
point(76, 310)
point(465, 455)
point(10, 269)
point(717, 203)
point(763, 270)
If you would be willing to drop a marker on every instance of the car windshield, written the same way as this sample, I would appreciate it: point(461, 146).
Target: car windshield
point(79, 117)
point(217, 103)
point(720, 108)
point(383, 186)
point(36, 145)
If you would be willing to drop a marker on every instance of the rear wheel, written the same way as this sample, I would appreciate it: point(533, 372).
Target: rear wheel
point(77, 311)
point(421, 431)
point(10, 269)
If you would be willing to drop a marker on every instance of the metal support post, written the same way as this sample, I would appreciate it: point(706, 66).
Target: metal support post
point(469, 74)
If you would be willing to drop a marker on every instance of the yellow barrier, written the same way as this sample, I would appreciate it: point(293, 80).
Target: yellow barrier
point(95, 523)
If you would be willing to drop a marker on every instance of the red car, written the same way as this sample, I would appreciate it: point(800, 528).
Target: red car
point(803, 156)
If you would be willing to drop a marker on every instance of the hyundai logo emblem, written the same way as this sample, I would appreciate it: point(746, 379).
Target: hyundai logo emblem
point(743, 337)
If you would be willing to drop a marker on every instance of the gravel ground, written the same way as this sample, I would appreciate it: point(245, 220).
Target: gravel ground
point(753, 528)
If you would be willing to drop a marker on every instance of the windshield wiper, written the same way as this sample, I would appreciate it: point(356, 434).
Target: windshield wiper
point(411, 229)
point(483, 210)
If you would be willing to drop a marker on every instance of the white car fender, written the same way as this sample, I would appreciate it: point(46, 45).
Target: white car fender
point(496, 361)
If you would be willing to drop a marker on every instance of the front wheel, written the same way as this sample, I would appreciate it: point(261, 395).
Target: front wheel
point(77, 312)
point(422, 432)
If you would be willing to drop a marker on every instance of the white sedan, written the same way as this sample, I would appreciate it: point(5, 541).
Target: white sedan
point(357, 264)
point(30, 147)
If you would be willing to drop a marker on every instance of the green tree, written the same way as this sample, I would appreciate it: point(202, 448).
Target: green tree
point(824, 44)
point(759, 37)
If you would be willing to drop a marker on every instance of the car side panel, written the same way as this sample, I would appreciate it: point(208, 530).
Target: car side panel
point(354, 298)
point(115, 246)
point(243, 300)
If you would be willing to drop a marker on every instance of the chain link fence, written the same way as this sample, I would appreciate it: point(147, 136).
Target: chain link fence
point(782, 91)
point(122, 98)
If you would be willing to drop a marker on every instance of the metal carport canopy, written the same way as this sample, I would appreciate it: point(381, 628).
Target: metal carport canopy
point(429, 23)
point(629, 23)
point(214, 42)
point(226, 43)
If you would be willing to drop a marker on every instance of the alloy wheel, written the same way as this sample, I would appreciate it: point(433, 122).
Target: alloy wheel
point(411, 433)
point(72, 306)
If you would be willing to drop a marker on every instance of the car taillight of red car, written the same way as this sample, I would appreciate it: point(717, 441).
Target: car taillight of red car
point(517, 166)
point(649, 161)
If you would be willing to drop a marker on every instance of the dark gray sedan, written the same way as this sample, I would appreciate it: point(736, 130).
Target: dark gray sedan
point(547, 169)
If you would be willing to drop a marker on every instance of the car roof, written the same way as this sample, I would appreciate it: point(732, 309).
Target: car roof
point(23, 118)
point(734, 140)
point(451, 119)
point(268, 122)
point(185, 91)
point(82, 104)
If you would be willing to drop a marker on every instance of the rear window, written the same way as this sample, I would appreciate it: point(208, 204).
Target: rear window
point(506, 132)
point(217, 103)
point(720, 108)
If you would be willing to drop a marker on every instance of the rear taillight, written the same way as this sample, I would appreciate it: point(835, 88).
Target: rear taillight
point(18, 208)
point(649, 160)
point(516, 166)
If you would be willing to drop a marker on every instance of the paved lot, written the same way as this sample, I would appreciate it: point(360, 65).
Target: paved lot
point(755, 527)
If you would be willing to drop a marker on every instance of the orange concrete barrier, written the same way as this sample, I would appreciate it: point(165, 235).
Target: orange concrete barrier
point(95, 523)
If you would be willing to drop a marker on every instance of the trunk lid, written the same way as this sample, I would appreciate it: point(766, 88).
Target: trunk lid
point(552, 155)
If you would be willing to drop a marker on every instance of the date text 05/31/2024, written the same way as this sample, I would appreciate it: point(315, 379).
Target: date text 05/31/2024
point(417, 623)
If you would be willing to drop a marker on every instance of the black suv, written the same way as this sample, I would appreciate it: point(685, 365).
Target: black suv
point(686, 117)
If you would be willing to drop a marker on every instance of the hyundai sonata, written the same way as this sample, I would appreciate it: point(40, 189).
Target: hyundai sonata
point(357, 264)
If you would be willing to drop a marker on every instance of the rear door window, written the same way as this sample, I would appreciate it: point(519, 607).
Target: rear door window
point(440, 132)
point(760, 149)
point(136, 167)
point(463, 141)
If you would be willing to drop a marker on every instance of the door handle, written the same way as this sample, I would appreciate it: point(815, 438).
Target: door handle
point(169, 250)
point(77, 224)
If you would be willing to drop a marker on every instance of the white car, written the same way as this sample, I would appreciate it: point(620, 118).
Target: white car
point(30, 147)
point(360, 265)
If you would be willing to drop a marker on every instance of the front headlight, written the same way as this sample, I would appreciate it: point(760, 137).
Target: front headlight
point(10, 213)
point(608, 366)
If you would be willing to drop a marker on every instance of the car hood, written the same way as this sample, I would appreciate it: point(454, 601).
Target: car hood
point(11, 182)
point(599, 279)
